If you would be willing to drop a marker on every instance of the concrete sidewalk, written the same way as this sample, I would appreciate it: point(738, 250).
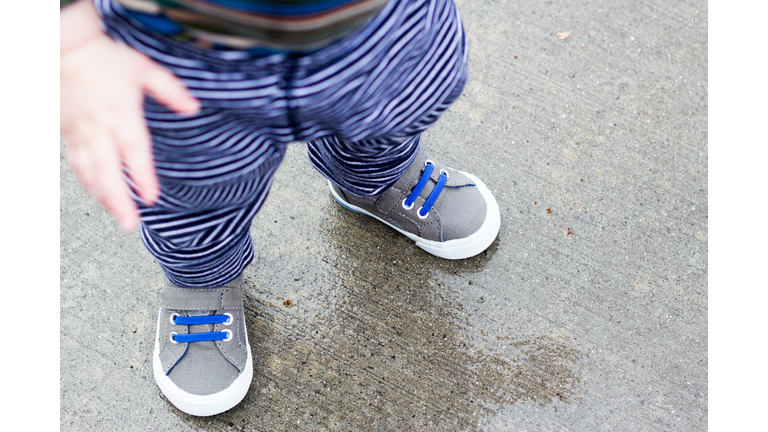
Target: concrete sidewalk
point(589, 312)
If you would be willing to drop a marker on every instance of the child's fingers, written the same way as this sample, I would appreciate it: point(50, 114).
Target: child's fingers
point(82, 164)
point(110, 188)
point(135, 146)
point(167, 89)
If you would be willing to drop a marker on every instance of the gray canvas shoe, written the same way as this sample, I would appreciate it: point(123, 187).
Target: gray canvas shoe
point(448, 213)
point(202, 360)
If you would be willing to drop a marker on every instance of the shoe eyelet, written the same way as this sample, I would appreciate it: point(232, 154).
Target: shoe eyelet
point(418, 213)
point(408, 207)
point(170, 336)
point(229, 335)
point(427, 162)
point(173, 316)
point(230, 320)
point(447, 176)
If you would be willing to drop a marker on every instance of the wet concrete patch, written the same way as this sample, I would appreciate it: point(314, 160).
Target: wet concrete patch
point(376, 337)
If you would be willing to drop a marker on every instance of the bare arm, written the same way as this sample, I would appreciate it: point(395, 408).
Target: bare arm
point(102, 91)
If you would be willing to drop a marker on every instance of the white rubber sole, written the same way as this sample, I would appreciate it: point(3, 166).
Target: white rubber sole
point(451, 249)
point(198, 405)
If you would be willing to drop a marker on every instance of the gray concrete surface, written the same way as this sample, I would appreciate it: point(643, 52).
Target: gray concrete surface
point(591, 317)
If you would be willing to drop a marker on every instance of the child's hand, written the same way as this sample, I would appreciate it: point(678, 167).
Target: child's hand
point(102, 91)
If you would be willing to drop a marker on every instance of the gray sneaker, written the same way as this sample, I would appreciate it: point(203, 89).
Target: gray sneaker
point(448, 213)
point(202, 360)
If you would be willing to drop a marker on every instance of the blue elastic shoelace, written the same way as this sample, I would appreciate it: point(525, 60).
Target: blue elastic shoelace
point(424, 210)
point(197, 320)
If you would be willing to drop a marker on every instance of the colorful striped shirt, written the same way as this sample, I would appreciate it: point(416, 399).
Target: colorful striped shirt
point(284, 25)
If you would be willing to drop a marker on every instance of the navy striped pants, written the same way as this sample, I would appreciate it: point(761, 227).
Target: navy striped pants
point(360, 104)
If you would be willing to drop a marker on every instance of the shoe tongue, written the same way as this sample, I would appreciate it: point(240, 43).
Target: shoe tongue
point(415, 171)
point(200, 328)
point(455, 178)
point(199, 313)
